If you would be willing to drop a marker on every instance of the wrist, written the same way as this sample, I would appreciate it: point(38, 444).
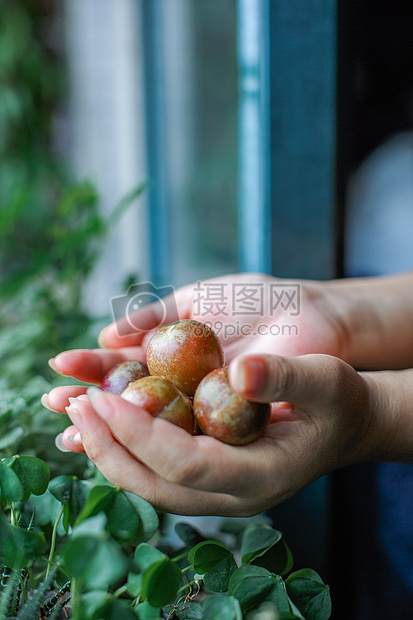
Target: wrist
point(373, 319)
point(389, 433)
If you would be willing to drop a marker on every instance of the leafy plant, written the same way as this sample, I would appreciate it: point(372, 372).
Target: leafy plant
point(90, 547)
point(51, 234)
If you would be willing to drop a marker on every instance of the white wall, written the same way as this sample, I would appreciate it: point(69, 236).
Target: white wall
point(106, 118)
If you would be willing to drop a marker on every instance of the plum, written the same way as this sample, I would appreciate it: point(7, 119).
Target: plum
point(122, 374)
point(184, 352)
point(222, 413)
point(160, 397)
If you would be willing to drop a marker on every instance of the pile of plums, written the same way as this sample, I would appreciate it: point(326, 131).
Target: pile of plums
point(185, 382)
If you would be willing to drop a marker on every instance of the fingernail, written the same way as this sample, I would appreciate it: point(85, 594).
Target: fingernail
point(101, 404)
point(45, 402)
point(83, 397)
point(72, 438)
point(59, 443)
point(101, 339)
point(52, 364)
point(250, 375)
point(71, 399)
point(77, 439)
point(75, 416)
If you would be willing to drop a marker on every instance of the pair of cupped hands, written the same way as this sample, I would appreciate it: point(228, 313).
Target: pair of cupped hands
point(320, 419)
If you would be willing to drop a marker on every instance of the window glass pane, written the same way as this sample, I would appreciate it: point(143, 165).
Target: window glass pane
point(201, 109)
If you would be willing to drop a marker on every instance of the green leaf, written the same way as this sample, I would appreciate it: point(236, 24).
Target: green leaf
point(99, 500)
point(148, 518)
point(250, 585)
point(96, 561)
point(219, 606)
point(10, 438)
point(10, 486)
point(134, 584)
point(188, 534)
point(125, 203)
point(129, 517)
point(103, 606)
point(146, 555)
point(205, 556)
point(160, 582)
point(217, 579)
point(257, 539)
point(310, 594)
point(22, 545)
point(71, 492)
point(145, 611)
point(47, 508)
point(186, 610)
point(33, 473)
point(279, 597)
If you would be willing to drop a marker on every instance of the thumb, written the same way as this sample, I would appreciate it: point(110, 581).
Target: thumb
point(302, 380)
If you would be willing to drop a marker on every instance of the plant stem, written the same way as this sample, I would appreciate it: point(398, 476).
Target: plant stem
point(23, 586)
point(180, 556)
point(187, 585)
point(53, 541)
point(75, 597)
point(13, 515)
point(120, 591)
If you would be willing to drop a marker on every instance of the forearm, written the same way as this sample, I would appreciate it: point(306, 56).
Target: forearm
point(375, 318)
point(389, 436)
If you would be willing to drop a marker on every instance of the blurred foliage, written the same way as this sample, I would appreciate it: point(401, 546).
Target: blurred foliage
point(51, 231)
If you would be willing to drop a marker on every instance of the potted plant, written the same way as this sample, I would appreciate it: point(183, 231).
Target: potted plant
point(86, 550)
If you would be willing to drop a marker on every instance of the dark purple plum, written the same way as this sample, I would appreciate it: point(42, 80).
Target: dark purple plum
point(122, 374)
point(222, 413)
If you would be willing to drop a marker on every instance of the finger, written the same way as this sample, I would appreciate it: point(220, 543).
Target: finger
point(69, 441)
point(303, 380)
point(91, 366)
point(58, 398)
point(122, 469)
point(197, 462)
point(131, 329)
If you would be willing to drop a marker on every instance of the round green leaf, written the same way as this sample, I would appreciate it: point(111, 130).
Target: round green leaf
point(22, 545)
point(148, 518)
point(145, 611)
point(10, 486)
point(250, 585)
point(103, 606)
point(205, 556)
point(99, 500)
point(146, 555)
point(134, 585)
point(257, 539)
point(71, 492)
point(95, 561)
point(188, 534)
point(33, 473)
point(279, 597)
point(185, 610)
point(217, 579)
point(219, 606)
point(160, 582)
point(310, 594)
point(129, 517)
